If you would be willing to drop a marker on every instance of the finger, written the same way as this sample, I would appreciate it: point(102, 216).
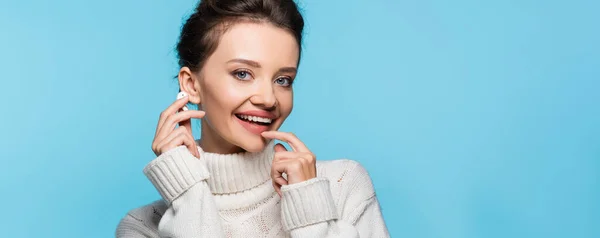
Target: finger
point(172, 109)
point(183, 139)
point(279, 148)
point(295, 169)
point(167, 143)
point(173, 120)
point(277, 170)
point(278, 179)
point(163, 144)
point(277, 188)
point(187, 124)
point(285, 155)
point(287, 137)
point(190, 143)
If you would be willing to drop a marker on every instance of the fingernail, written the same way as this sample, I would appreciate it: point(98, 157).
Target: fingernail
point(184, 108)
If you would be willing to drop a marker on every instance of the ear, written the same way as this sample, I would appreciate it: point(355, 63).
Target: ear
point(189, 83)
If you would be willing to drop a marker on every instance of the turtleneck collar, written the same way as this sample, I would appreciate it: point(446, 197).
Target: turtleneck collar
point(232, 173)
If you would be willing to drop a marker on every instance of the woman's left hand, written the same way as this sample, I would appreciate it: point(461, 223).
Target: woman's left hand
point(299, 165)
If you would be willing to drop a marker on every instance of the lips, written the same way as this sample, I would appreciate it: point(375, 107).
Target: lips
point(255, 122)
point(253, 127)
point(254, 119)
point(258, 113)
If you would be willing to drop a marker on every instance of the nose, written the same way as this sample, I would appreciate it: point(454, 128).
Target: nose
point(264, 96)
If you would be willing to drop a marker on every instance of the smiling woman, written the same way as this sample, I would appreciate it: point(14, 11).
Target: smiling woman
point(249, 74)
point(238, 63)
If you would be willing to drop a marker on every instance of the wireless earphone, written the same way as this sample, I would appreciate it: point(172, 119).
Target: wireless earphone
point(180, 95)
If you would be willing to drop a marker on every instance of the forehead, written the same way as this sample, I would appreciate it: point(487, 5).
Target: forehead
point(262, 42)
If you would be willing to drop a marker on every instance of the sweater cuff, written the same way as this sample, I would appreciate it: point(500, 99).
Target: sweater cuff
point(307, 203)
point(174, 172)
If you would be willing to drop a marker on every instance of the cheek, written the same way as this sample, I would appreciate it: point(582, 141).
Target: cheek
point(222, 99)
point(286, 102)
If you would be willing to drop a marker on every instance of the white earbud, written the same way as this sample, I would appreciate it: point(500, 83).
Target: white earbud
point(180, 95)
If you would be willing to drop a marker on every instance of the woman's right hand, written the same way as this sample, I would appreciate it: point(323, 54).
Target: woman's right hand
point(168, 137)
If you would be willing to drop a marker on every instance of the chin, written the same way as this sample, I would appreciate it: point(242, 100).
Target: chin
point(254, 145)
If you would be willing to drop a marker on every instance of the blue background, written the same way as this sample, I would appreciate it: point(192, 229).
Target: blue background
point(475, 119)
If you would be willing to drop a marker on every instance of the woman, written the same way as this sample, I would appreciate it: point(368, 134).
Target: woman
point(238, 62)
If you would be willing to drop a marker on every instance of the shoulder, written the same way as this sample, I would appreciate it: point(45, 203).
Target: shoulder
point(346, 176)
point(350, 185)
point(142, 220)
point(341, 169)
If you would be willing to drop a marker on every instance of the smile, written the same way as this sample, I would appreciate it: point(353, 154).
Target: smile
point(256, 122)
point(255, 119)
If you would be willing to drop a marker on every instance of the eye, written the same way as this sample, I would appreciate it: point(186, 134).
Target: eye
point(286, 82)
point(242, 74)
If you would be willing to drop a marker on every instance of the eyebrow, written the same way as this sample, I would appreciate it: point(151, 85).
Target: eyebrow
point(257, 65)
point(291, 70)
point(245, 61)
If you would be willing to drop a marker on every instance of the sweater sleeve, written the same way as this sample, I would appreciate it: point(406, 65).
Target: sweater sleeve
point(308, 208)
point(180, 178)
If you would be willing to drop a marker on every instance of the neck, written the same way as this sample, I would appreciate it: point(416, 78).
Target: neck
point(237, 172)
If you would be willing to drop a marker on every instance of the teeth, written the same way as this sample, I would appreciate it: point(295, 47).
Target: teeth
point(256, 119)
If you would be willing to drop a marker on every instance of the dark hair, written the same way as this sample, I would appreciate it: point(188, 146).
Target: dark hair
point(202, 30)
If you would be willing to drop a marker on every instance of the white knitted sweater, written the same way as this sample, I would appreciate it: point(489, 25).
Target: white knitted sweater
point(232, 196)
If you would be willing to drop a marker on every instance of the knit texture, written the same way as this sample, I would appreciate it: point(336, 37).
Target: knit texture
point(174, 172)
point(231, 173)
point(232, 196)
point(299, 211)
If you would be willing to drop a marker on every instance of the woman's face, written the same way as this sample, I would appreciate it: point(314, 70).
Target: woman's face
point(245, 87)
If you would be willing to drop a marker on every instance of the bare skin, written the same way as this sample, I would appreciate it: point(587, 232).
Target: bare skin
point(250, 72)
